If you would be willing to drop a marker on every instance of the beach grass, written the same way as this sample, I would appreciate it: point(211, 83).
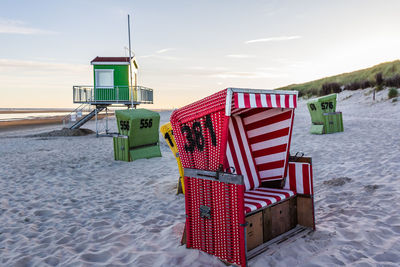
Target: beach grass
point(388, 69)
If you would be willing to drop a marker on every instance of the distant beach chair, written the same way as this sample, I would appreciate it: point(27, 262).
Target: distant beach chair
point(242, 190)
point(324, 117)
point(167, 133)
point(138, 135)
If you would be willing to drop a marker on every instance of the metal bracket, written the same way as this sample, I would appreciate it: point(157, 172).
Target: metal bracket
point(215, 176)
point(205, 212)
point(297, 156)
point(243, 224)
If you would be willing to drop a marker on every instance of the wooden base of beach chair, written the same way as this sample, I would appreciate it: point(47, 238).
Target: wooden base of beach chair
point(305, 211)
point(280, 241)
point(278, 220)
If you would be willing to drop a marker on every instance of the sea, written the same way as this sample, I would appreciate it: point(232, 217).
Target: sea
point(13, 115)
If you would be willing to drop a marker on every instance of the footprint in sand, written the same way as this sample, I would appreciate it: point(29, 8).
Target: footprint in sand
point(96, 257)
point(52, 261)
point(371, 188)
point(42, 213)
point(337, 181)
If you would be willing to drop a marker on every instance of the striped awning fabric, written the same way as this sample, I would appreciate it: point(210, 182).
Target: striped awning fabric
point(300, 178)
point(264, 100)
point(263, 197)
point(258, 144)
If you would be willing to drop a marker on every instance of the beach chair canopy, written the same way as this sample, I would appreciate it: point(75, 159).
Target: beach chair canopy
point(246, 131)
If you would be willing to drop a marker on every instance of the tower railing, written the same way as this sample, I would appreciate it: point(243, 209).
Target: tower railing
point(76, 115)
point(112, 95)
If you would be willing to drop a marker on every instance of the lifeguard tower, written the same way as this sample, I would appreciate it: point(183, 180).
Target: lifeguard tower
point(115, 84)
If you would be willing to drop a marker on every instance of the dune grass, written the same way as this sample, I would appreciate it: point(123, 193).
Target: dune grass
point(388, 69)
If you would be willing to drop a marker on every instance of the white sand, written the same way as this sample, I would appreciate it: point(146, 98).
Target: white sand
point(65, 201)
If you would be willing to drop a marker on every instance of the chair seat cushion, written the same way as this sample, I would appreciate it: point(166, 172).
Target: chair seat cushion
point(260, 198)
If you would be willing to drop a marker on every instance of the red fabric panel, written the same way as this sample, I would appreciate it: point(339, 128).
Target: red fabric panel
point(300, 178)
point(270, 120)
point(207, 105)
point(271, 165)
point(258, 100)
point(269, 151)
point(278, 101)
point(263, 197)
point(255, 196)
point(252, 111)
point(292, 177)
point(234, 156)
point(222, 234)
point(306, 179)
point(270, 135)
point(241, 248)
point(269, 102)
point(238, 153)
point(311, 181)
point(244, 100)
point(286, 193)
point(236, 100)
point(287, 100)
point(290, 140)
point(209, 157)
point(243, 153)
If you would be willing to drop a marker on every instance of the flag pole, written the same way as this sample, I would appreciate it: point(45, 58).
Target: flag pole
point(130, 59)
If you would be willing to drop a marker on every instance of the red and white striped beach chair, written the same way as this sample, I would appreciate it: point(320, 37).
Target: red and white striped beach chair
point(234, 147)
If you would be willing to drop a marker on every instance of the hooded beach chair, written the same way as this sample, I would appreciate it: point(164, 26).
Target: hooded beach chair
point(242, 190)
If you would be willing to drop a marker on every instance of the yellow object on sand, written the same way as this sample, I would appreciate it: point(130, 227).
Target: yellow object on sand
point(167, 133)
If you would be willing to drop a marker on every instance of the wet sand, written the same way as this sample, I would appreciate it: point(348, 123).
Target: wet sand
point(34, 123)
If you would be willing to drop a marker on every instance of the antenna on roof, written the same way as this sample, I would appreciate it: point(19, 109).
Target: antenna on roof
point(130, 58)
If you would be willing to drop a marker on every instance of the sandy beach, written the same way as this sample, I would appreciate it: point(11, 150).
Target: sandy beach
point(65, 202)
point(10, 111)
point(24, 124)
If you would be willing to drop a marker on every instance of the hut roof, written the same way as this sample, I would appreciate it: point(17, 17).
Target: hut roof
point(110, 61)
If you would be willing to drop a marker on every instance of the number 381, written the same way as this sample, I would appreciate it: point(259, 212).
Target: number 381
point(194, 135)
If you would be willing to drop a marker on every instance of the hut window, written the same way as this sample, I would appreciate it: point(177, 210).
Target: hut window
point(104, 78)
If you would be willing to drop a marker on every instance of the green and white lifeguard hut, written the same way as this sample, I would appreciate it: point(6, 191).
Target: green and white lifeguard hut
point(115, 83)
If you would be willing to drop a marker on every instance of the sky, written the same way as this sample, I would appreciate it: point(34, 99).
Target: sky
point(187, 50)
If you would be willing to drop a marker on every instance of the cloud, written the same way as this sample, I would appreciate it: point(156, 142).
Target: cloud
point(158, 55)
point(273, 39)
point(202, 68)
point(240, 56)
point(13, 65)
point(225, 73)
point(269, 69)
point(164, 50)
point(246, 75)
point(8, 26)
point(161, 57)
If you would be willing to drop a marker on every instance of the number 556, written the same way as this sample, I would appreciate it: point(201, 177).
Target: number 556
point(146, 123)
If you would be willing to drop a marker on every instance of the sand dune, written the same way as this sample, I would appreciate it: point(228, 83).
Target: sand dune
point(65, 201)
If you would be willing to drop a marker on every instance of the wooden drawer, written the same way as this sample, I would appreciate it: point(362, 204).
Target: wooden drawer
point(254, 230)
point(279, 219)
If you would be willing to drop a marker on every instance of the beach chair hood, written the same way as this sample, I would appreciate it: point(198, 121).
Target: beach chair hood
point(247, 131)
